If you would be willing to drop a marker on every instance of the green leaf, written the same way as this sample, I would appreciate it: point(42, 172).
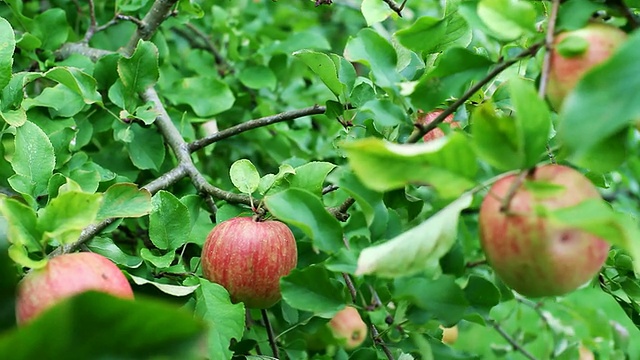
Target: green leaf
point(305, 210)
point(274, 183)
point(51, 28)
point(482, 294)
point(20, 256)
point(370, 202)
point(21, 222)
point(533, 120)
point(140, 71)
point(14, 117)
point(13, 93)
point(225, 320)
point(313, 289)
point(146, 148)
point(384, 113)
point(442, 297)
point(418, 249)
point(258, 77)
point(322, 65)
point(207, 96)
point(509, 19)
point(311, 176)
point(34, 157)
point(76, 328)
point(124, 200)
point(447, 164)
point(65, 216)
point(425, 35)
point(107, 248)
point(457, 68)
point(61, 101)
point(511, 143)
point(614, 83)
point(77, 81)
point(169, 222)
point(374, 51)
point(244, 176)
point(7, 46)
point(159, 261)
point(375, 11)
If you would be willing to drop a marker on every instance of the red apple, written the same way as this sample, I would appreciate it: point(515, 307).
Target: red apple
point(65, 276)
point(348, 328)
point(530, 253)
point(566, 69)
point(248, 258)
point(426, 119)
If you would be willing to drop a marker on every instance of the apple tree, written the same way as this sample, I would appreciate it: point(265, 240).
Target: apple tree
point(320, 179)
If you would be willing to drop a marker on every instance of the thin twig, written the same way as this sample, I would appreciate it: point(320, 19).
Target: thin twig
point(395, 7)
point(375, 335)
point(329, 188)
point(472, 264)
point(256, 123)
point(546, 63)
point(220, 60)
point(424, 129)
point(516, 346)
point(159, 11)
point(548, 44)
point(92, 23)
point(270, 333)
point(340, 212)
point(632, 19)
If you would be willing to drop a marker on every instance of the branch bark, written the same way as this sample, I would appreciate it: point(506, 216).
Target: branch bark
point(422, 130)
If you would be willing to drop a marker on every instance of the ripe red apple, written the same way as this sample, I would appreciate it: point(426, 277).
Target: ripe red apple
point(348, 328)
point(567, 68)
point(530, 253)
point(67, 275)
point(248, 258)
point(426, 119)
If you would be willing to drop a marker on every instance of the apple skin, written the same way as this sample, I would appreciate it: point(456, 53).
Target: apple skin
point(565, 72)
point(450, 334)
point(67, 275)
point(530, 254)
point(248, 258)
point(426, 119)
point(348, 328)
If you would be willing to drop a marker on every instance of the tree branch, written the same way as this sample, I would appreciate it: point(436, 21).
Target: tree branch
point(516, 346)
point(256, 123)
point(159, 11)
point(423, 129)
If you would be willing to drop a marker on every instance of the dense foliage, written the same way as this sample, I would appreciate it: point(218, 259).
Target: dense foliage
point(129, 128)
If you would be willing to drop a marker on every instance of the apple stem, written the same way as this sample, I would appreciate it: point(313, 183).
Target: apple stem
point(270, 334)
point(515, 185)
point(259, 214)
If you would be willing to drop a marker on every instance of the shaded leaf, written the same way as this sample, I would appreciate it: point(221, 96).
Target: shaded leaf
point(313, 289)
point(69, 331)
